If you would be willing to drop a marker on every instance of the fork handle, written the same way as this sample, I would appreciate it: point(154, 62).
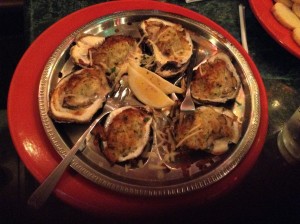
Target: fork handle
point(41, 194)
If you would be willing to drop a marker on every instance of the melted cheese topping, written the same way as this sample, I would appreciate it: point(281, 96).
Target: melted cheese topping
point(115, 53)
point(126, 134)
point(216, 80)
point(170, 41)
point(78, 96)
point(204, 129)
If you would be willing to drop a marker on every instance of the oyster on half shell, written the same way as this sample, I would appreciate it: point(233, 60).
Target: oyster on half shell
point(78, 96)
point(216, 81)
point(170, 43)
point(125, 134)
point(112, 54)
point(115, 54)
point(208, 128)
point(80, 52)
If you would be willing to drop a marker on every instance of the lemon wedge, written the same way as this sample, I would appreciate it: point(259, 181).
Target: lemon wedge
point(146, 91)
point(158, 81)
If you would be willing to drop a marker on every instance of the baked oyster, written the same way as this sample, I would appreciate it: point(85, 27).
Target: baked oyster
point(125, 134)
point(112, 54)
point(170, 43)
point(208, 128)
point(81, 52)
point(78, 96)
point(115, 53)
point(216, 80)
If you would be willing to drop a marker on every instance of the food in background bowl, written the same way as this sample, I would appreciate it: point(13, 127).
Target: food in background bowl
point(288, 18)
point(288, 3)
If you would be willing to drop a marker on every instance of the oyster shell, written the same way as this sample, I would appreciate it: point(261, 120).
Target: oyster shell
point(126, 133)
point(208, 128)
point(216, 80)
point(171, 45)
point(78, 96)
point(80, 52)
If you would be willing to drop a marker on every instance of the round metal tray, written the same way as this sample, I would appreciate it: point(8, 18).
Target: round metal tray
point(144, 181)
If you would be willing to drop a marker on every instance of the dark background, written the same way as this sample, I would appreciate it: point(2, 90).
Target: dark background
point(12, 43)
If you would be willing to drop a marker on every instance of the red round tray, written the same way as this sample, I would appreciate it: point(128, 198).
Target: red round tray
point(40, 157)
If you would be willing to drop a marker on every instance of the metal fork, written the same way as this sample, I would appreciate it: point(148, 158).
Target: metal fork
point(199, 57)
point(41, 194)
point(188, 103)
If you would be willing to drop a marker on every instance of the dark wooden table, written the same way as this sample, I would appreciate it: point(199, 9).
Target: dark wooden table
point(270, 193)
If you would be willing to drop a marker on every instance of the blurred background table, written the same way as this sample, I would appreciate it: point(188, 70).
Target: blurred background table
point(269, 193)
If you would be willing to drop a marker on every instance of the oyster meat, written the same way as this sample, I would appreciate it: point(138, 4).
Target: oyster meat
point(170, 43)
point(216, 81)
point(125, 134)
point(208, 128)
point(78, 96)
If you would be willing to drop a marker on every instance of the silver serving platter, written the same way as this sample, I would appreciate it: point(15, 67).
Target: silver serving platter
point(199, 172)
